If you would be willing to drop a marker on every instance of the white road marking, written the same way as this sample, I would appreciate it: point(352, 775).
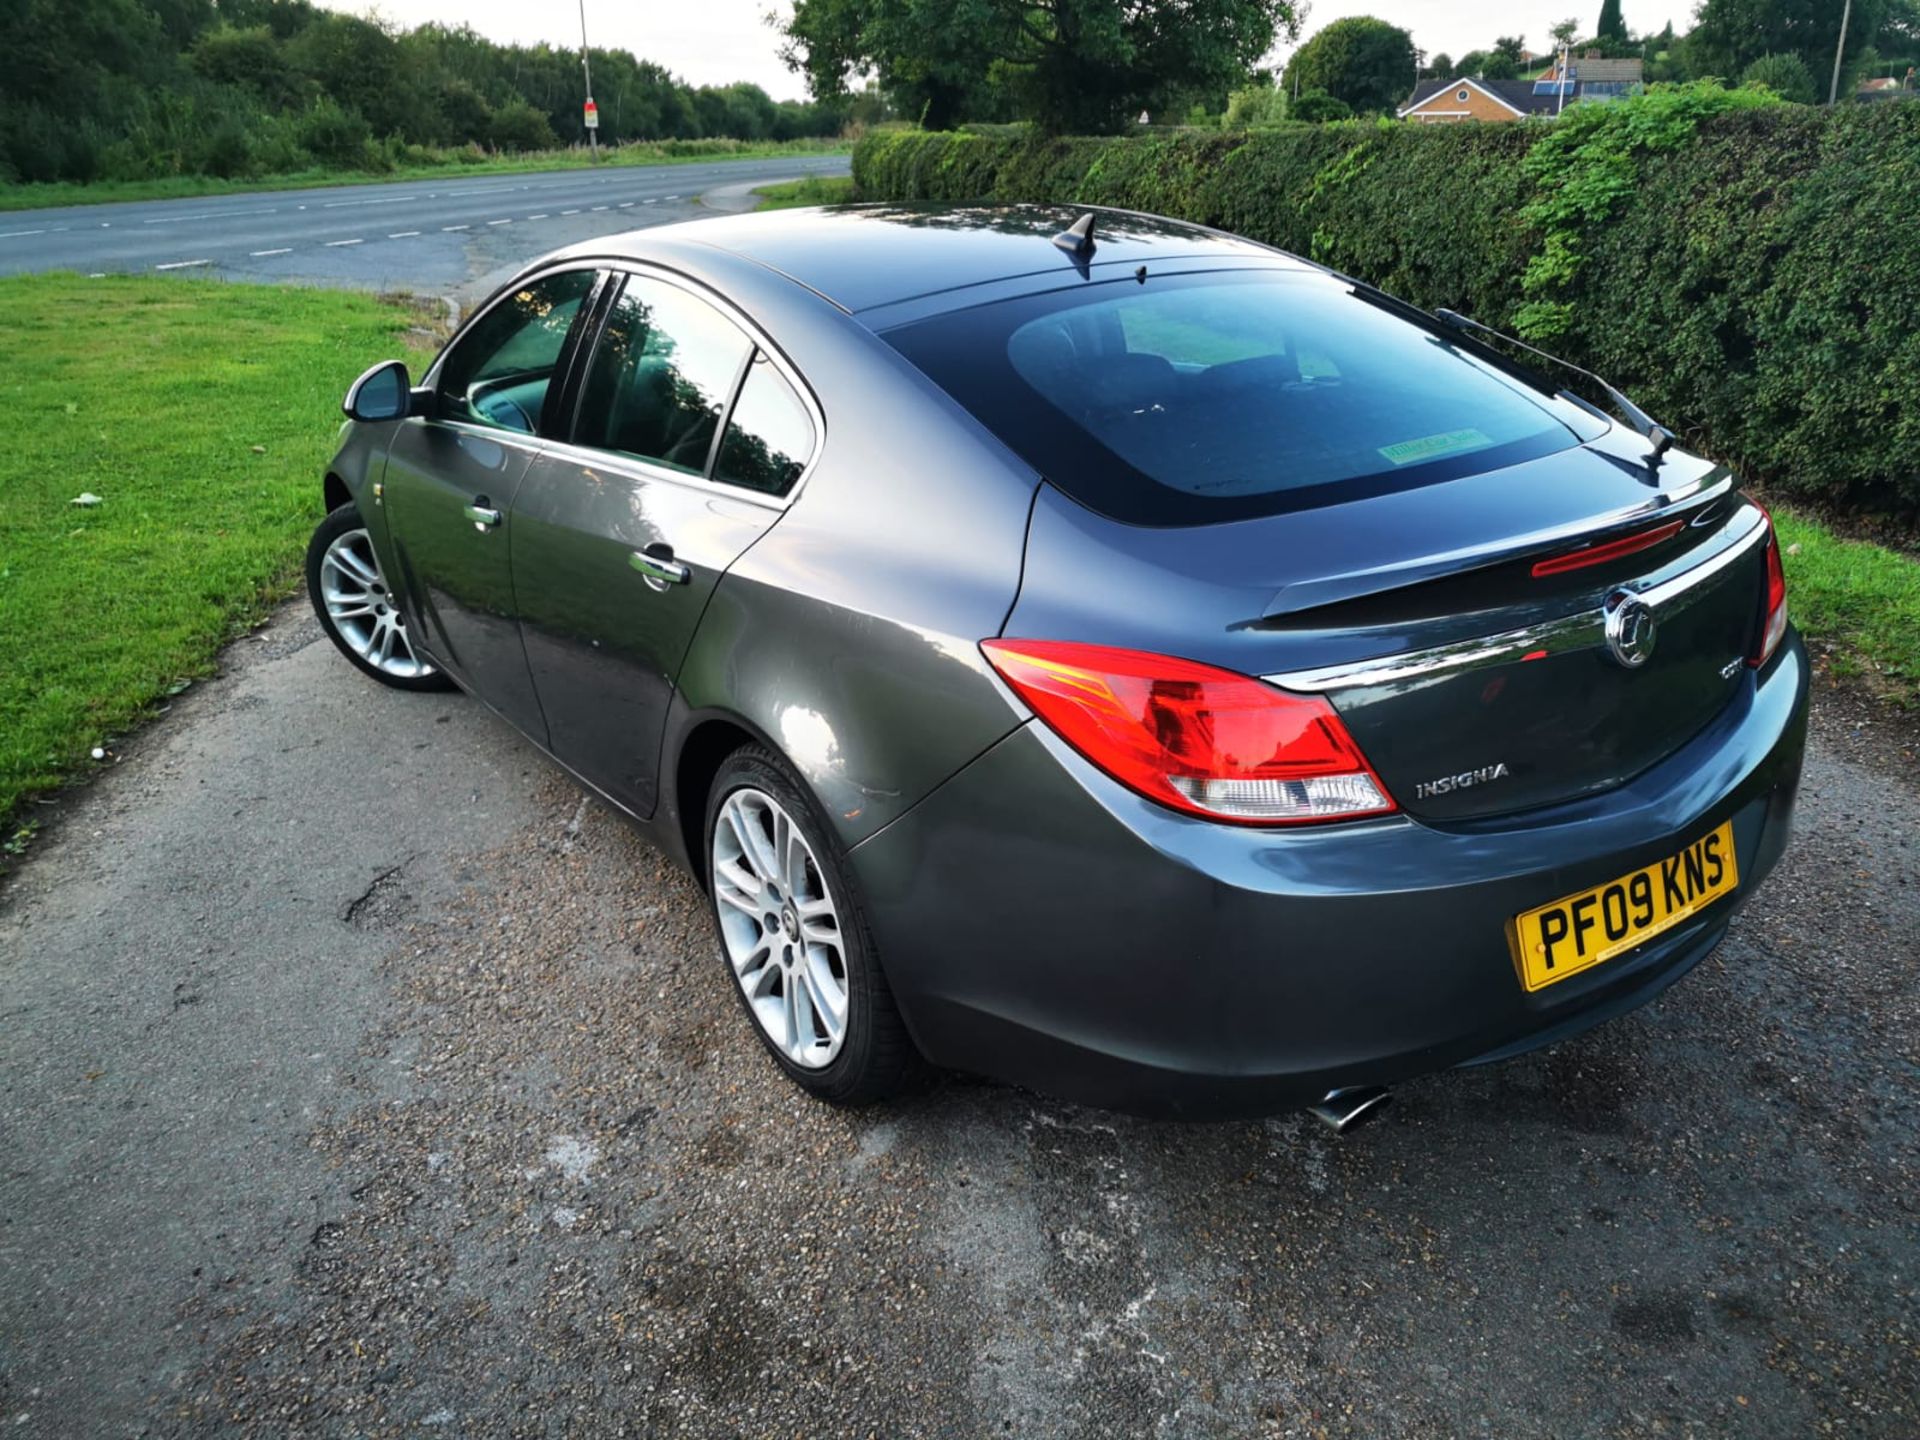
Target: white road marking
point(537, 217)
point(598, 208)
point(383, 200)
point(499, 222)
point(256, 254)
point(650, 202)
point(445, 228)
point(403, 234)
point(9, 234)
point(626, 205)
point(213, 215)
point(670, 197)
point(569, 212)
point(336, 244)
point(182, 264)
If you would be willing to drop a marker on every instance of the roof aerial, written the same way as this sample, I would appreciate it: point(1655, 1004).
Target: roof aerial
point(1077, 238)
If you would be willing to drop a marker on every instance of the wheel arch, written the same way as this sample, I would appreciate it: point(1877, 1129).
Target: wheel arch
point(334, 492)
point(703, 750)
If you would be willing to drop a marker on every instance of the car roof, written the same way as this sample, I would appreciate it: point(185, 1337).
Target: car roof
point(861, 257)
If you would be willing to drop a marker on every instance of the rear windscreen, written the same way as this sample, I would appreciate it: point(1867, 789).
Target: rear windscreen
point(1188, 399)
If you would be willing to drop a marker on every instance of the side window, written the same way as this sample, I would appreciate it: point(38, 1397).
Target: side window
point(769, 435)
point(499, 372)
point(660, 377)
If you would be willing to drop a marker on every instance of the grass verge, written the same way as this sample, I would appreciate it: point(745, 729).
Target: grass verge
point(1860, 599)
point(810, 190)
point(202, 415)
point(174, 187)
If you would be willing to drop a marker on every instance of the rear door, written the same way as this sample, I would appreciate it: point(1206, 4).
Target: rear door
point(451, 481)
point(688, 438)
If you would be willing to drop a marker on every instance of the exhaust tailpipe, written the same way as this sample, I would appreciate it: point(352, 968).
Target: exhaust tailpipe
point(1350, 1108)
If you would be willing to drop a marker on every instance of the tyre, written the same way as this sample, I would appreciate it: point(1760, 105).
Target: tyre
point(356, 608)
point(795, 939)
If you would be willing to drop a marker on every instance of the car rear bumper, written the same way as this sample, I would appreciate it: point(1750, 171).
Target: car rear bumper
point(1043, 925)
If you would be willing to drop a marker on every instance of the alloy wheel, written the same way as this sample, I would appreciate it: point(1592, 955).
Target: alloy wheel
point(362, 609)
point(780, 927)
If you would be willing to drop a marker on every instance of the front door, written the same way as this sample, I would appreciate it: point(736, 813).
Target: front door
point(451, 481)
point(622, 535)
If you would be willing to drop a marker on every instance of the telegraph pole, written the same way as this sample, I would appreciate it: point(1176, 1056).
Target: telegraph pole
point(1833, 92)
point(592, 110)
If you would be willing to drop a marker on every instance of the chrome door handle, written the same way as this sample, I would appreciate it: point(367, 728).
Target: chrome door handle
point(484, 517)
point(666, 570)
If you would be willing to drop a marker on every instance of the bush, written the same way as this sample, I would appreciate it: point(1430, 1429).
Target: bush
point(1742, 278)
point(1785, 75)
point(334, 136)
point(518, 126)
point(1316, 107)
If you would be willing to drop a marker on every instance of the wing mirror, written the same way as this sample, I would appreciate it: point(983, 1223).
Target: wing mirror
point(384, 393)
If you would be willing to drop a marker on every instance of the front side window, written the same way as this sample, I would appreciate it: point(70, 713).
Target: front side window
point(497, 374)
point(1192, 399)
point(769, 434)
point(661, 374)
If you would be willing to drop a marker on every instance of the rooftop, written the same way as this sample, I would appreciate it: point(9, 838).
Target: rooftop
point(863, 256)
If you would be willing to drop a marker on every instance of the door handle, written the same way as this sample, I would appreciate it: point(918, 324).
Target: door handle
point(660, 570)
point(484, 517)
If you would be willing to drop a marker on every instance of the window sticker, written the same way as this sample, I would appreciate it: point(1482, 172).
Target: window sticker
point(1432, 447)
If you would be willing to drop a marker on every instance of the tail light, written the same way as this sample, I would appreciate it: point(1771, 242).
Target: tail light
point(1774, 628)
point(1204, 741)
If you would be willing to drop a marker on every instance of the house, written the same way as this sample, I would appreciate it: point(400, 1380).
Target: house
point(1437, 102)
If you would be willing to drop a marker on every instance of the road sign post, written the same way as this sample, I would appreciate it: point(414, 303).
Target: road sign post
point(592, 118)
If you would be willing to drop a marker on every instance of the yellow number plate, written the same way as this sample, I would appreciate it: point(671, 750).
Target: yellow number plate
point(1580, 931)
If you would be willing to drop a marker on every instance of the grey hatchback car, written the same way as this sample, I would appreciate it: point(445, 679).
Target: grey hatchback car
point(1090, 650)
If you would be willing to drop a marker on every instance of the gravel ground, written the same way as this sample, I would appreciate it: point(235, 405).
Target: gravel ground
point(361, 1079)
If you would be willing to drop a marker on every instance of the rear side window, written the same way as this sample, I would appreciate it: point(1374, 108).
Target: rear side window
point(1189, 399)
point(661, 374)
point(769, 435)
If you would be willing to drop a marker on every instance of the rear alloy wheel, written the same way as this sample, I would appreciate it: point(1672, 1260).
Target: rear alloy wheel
point(794, 938)
point(356, 608)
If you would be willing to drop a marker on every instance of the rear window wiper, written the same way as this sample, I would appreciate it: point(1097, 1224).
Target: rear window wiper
point(1662, 438)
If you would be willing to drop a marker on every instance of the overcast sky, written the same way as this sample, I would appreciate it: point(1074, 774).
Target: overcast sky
point(712, 42)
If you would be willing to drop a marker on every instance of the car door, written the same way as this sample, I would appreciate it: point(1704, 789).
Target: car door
point(452, 476)
point(687, 438)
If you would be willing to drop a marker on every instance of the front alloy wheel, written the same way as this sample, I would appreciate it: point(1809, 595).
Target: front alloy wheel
point(357, 609)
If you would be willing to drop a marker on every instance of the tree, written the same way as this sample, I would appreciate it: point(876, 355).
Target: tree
point(1566, 32)
point(1732, 34)
point(1514, 47)
point(1441, 66)
point(1366, 64)
point(1087, 65)
point(1499, 67)
point(1786, 75)
point(1612, 25)
point(1474, 62)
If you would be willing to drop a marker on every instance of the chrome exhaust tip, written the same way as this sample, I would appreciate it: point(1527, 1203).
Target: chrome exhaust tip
point(1350, 1108)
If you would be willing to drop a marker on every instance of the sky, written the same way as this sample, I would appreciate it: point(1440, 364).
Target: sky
point(715, 42)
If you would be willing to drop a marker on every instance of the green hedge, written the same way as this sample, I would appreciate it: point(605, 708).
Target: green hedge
point(1751, 274)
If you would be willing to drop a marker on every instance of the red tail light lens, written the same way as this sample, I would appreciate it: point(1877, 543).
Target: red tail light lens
point(1200, 740)
point(1775, 628)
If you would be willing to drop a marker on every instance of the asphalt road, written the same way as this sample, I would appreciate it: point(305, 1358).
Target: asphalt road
point(359, 1078)
point(430, 235)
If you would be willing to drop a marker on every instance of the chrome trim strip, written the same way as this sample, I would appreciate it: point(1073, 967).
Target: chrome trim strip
point(1582, 630)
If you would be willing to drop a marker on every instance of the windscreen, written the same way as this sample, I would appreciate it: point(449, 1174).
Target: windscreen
point(1190, 399)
